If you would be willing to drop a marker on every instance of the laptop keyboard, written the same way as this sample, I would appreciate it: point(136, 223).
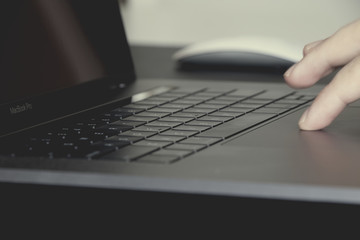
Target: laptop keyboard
point(163, 128)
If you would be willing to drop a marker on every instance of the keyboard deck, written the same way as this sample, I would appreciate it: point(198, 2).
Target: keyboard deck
point(163, 128)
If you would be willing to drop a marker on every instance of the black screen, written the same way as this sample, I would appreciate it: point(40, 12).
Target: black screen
point(54, 52)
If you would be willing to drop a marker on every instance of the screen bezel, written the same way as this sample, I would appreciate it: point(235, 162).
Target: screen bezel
point(24, 113)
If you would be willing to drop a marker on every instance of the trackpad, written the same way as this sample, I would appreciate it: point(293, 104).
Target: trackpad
point(280, 152)
point(284, 132)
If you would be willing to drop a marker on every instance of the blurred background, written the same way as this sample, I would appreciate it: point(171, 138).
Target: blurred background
point(181, 22)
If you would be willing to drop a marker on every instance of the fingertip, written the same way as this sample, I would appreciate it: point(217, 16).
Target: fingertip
point(305, 124)
point(322, 112)
point(296, 77)
point(311, 126)
point(314, 117)
point(289, 79)
point(307, 127)
point(288, 73)
point(303, 118)
point(306, 72)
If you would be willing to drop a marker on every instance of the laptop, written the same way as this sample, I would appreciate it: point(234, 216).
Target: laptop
point(73, 114)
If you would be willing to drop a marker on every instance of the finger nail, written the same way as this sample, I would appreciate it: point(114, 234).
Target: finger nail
point(289, 71)
point(303, 118)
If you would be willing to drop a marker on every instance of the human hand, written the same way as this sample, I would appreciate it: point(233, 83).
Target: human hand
point(320, 59)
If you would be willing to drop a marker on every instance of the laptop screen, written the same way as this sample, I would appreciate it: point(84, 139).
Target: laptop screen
point(59, 56)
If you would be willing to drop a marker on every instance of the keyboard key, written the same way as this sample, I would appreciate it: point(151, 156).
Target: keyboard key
point(188, 147)
point(129, 139)
point(282, 105)
point(166, 138)
point(228, 99)
point(188, 114)
point(128, 123)
point(140, 118)
point(98, 153)
point(130, 153)
point(178, 133)
point(199, 110)
point(244, 92)
point(237, 125)
point(84, 140)
point(114, 144)
point(208, 95)
point(197, 99)
point(146, 128)
point(173, 152)
point(164, 99)
point(203, 123)
point(273, 95)
point(201, 140)
point(165, 110)
point(96, 135)
point(105, 119)
point(177, 119)
point(120, 115)
point(159, 144)
point(211, 106)
point(154, 102)
point(142, 134)
point(271, 110)
point(247, 105)
point(115, 128)
point(159, 123)
point(215, 118)
point(187, 91)
point(257, 101)
point(219, 90)
point(221, 102)
point(138, 106)
point(227, 113)
point(187, 101)
point(238, 110)
point(73, 151)
point(153, 114)
point(171, 95)
point(127, 111)
point(176, 105)
point(160, 159)
point(159, 100)
point(192, 128)
point(103, 133)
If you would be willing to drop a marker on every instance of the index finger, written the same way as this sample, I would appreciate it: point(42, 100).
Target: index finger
point(332, 52)
point(342, 90)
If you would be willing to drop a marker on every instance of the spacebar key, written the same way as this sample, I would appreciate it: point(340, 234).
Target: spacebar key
point(237, 125)
point(129, 153)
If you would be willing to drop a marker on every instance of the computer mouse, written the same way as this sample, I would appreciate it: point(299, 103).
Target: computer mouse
point(252, 53)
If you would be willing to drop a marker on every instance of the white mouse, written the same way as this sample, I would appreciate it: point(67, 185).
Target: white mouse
point(241, 53)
